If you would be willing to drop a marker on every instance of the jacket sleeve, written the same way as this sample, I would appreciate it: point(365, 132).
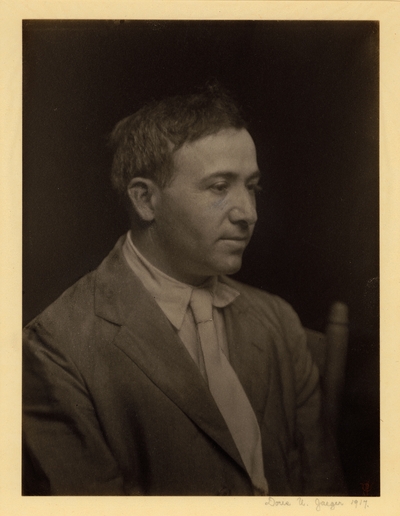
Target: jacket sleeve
point(320, 463)
point(64, 449)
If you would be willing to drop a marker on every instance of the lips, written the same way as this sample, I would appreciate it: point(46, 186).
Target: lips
point(236, 238)
point(235, 243)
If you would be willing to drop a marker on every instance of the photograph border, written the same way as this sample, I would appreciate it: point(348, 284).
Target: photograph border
point(388, 14)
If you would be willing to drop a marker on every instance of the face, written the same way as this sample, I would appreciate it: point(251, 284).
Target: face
point(204, 219)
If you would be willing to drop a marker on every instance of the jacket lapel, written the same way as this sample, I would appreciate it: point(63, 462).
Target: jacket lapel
point(250, 352)
point(150, 341)
point(254, 340)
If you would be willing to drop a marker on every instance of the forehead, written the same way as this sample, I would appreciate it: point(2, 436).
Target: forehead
point(229, 150)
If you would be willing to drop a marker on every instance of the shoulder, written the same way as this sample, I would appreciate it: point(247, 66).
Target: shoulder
point(76, 306)
point(267, 306)
point(71, 318)
point(73, 309)
point(280, 321)
point(275, 317)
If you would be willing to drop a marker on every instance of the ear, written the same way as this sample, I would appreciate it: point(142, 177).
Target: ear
point(142, 193)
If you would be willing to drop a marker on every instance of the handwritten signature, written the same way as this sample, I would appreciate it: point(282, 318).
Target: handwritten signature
point(317, 503)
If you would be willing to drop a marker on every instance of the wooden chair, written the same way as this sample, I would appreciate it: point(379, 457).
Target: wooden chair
point(329, 351)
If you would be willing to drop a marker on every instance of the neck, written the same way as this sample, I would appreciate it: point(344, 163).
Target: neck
point(149, 248)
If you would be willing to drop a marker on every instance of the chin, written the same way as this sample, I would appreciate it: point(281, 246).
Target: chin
point(230, 267)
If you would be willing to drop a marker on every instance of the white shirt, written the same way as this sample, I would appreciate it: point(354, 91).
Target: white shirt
point(173, 297)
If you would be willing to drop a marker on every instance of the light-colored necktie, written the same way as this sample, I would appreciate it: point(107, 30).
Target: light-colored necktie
point(228, 392)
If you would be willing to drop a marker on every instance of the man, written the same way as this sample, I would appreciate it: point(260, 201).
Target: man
point(156, 374)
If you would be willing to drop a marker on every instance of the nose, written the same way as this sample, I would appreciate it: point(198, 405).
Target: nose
point(243, 210)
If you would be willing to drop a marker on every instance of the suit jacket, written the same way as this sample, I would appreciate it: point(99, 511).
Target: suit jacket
point(114, 404)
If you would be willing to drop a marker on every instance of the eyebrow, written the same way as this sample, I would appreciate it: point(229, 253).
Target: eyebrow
point(231, 175)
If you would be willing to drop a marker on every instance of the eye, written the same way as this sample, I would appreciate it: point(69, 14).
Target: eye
point(254, 187)
point(220, 187)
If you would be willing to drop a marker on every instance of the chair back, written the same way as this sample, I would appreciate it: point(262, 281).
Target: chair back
point(329, 351)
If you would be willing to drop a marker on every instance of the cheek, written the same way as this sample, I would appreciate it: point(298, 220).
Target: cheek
point(203, 225)
point(192, 222)
point(178, 228)
point(196, 218)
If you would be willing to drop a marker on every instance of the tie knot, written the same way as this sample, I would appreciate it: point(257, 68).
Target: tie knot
point(201, 304)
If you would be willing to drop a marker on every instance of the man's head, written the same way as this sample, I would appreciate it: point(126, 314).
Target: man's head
point(195, 212)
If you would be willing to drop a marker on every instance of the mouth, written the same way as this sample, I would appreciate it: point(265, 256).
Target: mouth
point(236, 243)
point(236, 238)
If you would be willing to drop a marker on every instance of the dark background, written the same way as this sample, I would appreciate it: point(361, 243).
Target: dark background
point(310, 91)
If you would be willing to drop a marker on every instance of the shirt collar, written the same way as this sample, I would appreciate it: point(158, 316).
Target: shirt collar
point(172, 295)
